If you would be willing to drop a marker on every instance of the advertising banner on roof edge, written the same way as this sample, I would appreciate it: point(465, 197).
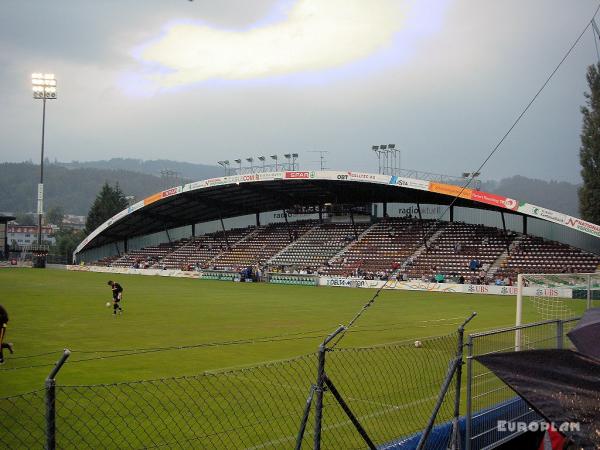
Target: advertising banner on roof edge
point(494, 200)
point(450, 189)
point(560, 218)
point(442, 188)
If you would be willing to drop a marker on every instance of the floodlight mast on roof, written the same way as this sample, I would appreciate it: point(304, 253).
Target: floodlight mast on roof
point(288, 157)
point(44, 88)
point(294, 157)
point(262, 160)
point(239, 161)
point(375, 148)
point(383, 149)
point(275, 158)
point(224, 164)
point(251, 161)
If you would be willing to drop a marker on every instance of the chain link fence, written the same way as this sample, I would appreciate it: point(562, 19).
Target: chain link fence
point(488, 398)
point(391, 389)
point(378, 397)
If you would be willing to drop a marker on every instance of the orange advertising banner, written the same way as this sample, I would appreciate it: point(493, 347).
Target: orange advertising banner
point(152, 198)
point(450, 189)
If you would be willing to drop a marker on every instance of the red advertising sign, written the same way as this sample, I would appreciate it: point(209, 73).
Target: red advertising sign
point(170, 192)
point(297, 175)
point(495, 200)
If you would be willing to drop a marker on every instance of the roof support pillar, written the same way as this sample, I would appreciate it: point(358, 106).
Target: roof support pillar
point(421, 224)
point(117, 247)
point(287, 225)
point(320, 213)
point(353, 223)
point(451, 213)
point(223, 230)
point(125, 241)
point(258, 219)
point(193, 230)
point(505, 236)
point(168, 235)
point(384, 209)
point(524, 224)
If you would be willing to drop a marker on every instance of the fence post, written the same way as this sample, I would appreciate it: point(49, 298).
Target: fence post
point(589, 291)
point(454, 368)
point(559, 334)
point(51, 402)
point(469, 405)
point(320, 386)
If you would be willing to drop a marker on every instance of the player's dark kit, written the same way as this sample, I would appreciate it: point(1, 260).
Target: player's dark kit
point(3, 325)
point(117, 292)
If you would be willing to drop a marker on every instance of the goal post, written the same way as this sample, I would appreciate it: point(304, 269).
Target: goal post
point(554, 296)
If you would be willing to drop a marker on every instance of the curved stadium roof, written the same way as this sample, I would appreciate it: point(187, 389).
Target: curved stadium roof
point(237, 195)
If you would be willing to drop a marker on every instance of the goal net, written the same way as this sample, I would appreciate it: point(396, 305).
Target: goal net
point(556, 296)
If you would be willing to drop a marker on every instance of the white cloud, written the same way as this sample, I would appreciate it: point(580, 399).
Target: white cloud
point(316, 35)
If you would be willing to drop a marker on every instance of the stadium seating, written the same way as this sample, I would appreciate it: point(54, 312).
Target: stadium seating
point(535, 255)
point(382, 249)
point(262, 245)
point(318, 245)
point(390, 247)
point(451, 252)
point(147, 256)
point(200, 250)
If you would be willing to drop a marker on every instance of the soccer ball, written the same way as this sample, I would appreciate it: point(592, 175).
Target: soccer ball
point(107, 304)
point(418, 344)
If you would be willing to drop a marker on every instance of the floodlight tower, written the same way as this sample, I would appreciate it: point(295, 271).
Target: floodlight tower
point(294, 158)
point(44, 88)
point(383, 149)
point(224, 164)
point(239, 161)
point(275, 158)
point(375, 148)
point(262, 160)
point(251, 161)
point(288, 156)
point(395, 158)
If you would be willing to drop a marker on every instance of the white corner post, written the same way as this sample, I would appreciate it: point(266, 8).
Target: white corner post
point(519, 318)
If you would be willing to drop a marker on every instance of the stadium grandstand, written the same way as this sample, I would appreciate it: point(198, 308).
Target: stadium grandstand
point(342, 224)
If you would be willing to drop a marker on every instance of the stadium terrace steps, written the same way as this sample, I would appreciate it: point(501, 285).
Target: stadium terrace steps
point(387, 248)
point(382, 249)
point(533, 254)
point(422, 248)
point(318, 245)
point(201, 249)
point(345, 249)
point(455, 246)
point(503, 258)
point(261, 245)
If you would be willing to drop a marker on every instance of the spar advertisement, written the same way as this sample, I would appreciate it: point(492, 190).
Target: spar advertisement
point(451, 190)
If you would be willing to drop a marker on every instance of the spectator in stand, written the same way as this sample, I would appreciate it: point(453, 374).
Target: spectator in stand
point(461, 280)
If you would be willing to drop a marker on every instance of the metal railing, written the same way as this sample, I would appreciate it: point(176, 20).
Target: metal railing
point(489, 399)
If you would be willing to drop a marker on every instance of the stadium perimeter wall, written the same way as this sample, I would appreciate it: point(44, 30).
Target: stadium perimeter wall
point(514, 222)
point(358, 283)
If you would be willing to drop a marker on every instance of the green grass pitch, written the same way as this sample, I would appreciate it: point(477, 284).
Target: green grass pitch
point(219, 393)
point(51, 310)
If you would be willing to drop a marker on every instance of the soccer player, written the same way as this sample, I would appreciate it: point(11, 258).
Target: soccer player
point(117, 292)
point(3, 323)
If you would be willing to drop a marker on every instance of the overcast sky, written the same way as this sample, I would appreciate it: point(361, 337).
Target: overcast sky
point(207, 80)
